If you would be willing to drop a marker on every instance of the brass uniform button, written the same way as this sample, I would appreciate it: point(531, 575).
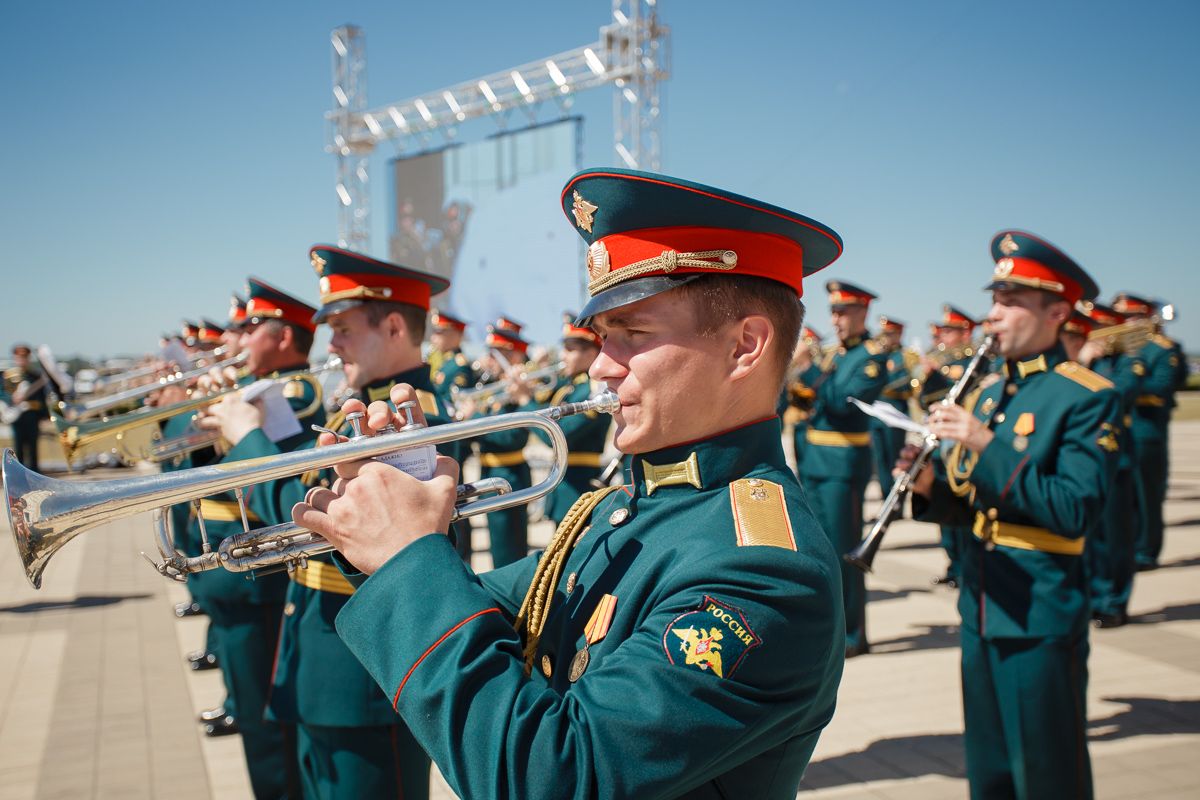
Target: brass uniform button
point(1011, 389)
point(993, 514)
point(1000, 418)
point(618, 516)
point(547, 667)
point(289, 609)
point(571, 582)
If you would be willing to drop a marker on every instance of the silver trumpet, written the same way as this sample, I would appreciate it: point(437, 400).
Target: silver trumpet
point(74, 412)
point(497, 391)
point(46, 513)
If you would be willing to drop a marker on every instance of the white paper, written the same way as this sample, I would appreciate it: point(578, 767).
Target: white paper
point(890, 416)
point(279, 420)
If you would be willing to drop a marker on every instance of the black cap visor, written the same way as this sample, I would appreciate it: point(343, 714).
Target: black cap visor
point(629, 292)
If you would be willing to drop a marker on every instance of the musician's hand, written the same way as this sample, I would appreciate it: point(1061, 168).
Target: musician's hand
point(233, 417)
point(374, 511)
point(922, 483)
point(1090, 352)
point(955, 422)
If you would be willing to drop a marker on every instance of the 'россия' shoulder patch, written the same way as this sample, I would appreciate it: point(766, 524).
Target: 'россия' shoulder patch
point(713, 637)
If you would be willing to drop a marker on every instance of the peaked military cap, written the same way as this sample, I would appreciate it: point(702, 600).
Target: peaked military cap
point(1078, 323)
point(809, 335)
point(441, 320)
point(1128, 303)
point(349, 279)
point(1024, 260)
point(890, 323)
point(267, 302)
point(237, 311)
point(579, 332)
point(847, 294)
point(505, 340)
point(647, 233)
point(1104, 316)
point(954, 317)
point(210, 331)
point(504, 323)
point(190, 331)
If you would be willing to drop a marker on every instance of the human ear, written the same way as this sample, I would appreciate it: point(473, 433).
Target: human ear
point(753, 336)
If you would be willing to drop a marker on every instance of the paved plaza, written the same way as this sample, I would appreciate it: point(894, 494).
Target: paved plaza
point(95, 699)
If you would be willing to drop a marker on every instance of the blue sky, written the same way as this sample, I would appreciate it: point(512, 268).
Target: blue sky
point(154, 154)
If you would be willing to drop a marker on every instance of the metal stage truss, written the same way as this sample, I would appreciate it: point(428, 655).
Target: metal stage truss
point(632, 55)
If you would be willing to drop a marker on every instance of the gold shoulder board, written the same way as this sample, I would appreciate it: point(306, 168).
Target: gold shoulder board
point(428, 403)
point(760, 515)
point(873, 347)
point(1083, 376)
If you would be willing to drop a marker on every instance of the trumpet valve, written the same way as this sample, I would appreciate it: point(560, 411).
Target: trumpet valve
point(406, 408)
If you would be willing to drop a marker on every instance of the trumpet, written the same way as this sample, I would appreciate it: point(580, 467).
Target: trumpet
point(863, 556)
point(45, 514)
point(497, 391)
point(141, 372)
point(73, 412)
point(1128, 337)
point(195, 439)
point(134, 436)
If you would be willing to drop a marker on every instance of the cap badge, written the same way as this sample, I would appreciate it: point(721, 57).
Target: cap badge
point(318, 264)
point(1004, 268)
point(598, 263)
point(583, 211)
point(1008, 245)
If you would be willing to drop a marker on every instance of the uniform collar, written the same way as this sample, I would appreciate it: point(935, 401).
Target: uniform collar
point(417, 377)
point(854, 341)
point(1045, 361)
point(709, 463)
point(295, 369)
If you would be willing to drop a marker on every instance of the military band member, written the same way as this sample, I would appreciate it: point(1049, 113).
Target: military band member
point(449, 366)
point(502, 453)
point(683, 634)
point(944, 366)
point(508, 324)
point(886, 441)
point(1151, 418)
point(275, 338)
point(28, 390)
point(796, 399)
point(1111, 545)
point(1035, 451)
point(350, 742)
point(836, 466)
point(586, 433)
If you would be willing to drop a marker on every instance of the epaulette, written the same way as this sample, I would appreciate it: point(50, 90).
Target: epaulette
point(873, 347)
point(1083, 376)
point(294, 390)
point(760, 515)
point(428, 403)
point(1162, 341)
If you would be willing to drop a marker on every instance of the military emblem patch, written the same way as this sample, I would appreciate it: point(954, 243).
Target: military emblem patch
point(1108, 437)
point(583, 212)
point(714, 637)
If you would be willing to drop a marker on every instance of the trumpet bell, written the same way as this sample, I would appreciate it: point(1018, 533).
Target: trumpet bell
point(32, 501)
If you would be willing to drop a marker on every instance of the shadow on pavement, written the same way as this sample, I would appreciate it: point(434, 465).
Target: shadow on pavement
point(931, 545)
point(878, 595)
point(1193, 561)
point(85, 601)
point(1188, 611)
point(925, 637)
point(885, 759)
point(1184, 523)
point(1147, 716)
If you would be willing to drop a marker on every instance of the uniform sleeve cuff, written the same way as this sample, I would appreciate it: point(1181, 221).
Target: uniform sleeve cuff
point(253, 445)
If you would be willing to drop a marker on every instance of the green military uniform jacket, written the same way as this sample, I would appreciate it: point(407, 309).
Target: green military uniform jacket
point(265, 502)
point(1126, 373)
point(317, 681)
point(1156, 398)
point(712, 602)
point(454, 370)
point(586, 435)
point(938, 382)
point(838, 437)
point(1031, 496)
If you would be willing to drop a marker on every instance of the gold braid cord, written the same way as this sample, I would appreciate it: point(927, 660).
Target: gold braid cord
point(959, 463)
point(668, 262)
point(536, 606)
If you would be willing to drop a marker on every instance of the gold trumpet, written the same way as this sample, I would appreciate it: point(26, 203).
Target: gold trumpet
point(497, 391)
point(46, 513)
point(1128, 337)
